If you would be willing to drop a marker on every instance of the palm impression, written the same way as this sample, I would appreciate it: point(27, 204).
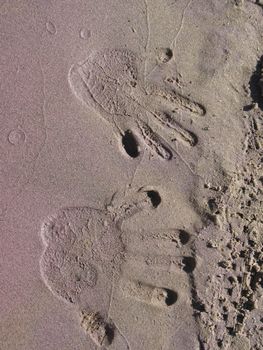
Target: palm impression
point(110, 82)
point(85, 249)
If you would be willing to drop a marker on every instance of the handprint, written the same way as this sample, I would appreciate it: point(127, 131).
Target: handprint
point(85, 249)
point(109, 81)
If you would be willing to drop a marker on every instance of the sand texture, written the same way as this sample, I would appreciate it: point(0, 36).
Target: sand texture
point(131, 178)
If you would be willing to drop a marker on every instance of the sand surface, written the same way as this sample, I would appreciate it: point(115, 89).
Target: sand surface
point(131, 181)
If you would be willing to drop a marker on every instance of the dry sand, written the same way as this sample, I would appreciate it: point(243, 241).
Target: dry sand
point(131, 175)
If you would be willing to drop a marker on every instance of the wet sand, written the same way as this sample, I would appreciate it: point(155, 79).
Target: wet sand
point(131, 175)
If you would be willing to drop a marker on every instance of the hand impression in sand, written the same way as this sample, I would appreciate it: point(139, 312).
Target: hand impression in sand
point(85, 249)
point(109, 81)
